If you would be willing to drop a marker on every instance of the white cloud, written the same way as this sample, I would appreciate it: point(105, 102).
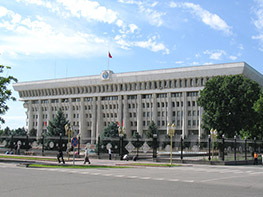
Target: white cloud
point(154, 17)
point(210, 19)
point(3, 11)
point(37, 37)
point(258, 22)
point(215, 55)
point(52, 5)
point(133, 27)
point(179, 62)
point(150, 44)
point(232, 57)
point(91, 10)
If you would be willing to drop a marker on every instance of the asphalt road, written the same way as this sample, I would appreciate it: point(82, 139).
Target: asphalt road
point(184, 181)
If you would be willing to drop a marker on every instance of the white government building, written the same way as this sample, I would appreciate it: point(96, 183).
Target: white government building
point(135, 98)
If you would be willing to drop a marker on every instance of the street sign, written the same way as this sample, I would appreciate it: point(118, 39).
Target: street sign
point(74, 141)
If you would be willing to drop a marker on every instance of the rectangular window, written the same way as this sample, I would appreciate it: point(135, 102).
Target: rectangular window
point(132, 97)
point(146, 96)
point(163, 95)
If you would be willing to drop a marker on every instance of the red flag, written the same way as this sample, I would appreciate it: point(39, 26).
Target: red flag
point(45, 123)
point(110, 55)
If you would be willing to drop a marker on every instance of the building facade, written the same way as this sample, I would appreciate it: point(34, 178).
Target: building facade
point(135, 99)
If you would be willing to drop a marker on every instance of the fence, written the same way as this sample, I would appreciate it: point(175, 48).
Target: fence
point(228, 150)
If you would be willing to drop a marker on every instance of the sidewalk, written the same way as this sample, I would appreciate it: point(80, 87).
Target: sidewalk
point(78, 161)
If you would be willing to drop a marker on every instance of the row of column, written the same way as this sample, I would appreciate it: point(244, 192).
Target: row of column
point(122, 115)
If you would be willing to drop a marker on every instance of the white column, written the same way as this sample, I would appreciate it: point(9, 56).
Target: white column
point(184, 118)
point(154, 109)
point(139, 114)
point(120, 117)
point(40, 120)
point(49, 118)
point(126, 117)
point(100, 124)
point(30, 116)
point(70, 112)
point(169, 108)
point(93, 124)
point(82, 120)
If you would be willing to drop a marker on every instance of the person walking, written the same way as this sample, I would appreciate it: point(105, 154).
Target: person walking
point(86, 158)
point(18, 147)
point(109, 151)
point(60, 155)
point(255, 158)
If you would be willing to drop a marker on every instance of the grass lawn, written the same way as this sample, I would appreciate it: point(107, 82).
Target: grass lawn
point(28, 158)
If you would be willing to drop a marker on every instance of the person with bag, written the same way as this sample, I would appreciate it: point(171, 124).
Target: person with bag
point(86, 158)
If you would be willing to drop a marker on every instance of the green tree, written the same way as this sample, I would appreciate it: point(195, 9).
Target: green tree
point(33, 132)
point(258, 107)
point(152, 129)
point(19, 132)
point(5, 93)
point(6, 132)
point(228, 104)
point(57, 125)
point(111, 131)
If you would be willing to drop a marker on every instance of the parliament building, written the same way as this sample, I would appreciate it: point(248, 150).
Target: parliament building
point(135, 99)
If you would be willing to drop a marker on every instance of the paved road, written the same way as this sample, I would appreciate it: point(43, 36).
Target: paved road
point(191, 181)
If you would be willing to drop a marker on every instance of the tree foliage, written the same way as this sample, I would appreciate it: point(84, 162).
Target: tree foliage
point(57, 125)
point(111, 131)
point(33, 132)
point(5, 92)
point(228, 104)
point(16, 132)
point(258, 107)
point(152, 129)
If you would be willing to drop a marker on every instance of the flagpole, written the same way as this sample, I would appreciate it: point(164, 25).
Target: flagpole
point(108, 62)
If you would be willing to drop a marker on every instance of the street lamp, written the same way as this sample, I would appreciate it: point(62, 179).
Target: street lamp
point(213, 133)
point(170, 132)
point(121, 131)
point(69, 132)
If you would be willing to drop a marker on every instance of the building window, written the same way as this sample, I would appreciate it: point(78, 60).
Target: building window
point(132, 97)
point(146, 96)
point(164, 95)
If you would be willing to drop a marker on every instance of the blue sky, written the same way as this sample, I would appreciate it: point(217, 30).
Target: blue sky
point(47, 39)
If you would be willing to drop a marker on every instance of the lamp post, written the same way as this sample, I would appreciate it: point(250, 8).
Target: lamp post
point(69, 132)
point(213, 133)
point(170, 132)
point(223, 149)
point(121, 131)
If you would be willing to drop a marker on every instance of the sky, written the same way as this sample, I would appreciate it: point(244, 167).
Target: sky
point(50, 39)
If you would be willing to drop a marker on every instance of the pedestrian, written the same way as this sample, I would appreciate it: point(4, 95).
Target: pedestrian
point(60, 155)
point(18, 147)
point(255, 158)
point(109, 151)
point(86, 158)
